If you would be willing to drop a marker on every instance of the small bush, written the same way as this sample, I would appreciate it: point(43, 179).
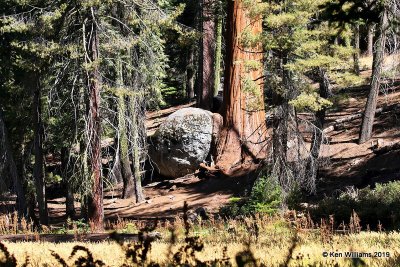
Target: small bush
point(265, 197)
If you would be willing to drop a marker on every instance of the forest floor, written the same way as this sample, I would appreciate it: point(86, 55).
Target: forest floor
point(347, 163)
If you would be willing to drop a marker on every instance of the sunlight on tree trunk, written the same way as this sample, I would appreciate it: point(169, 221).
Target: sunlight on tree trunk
point(379, 53)
point(218, 53)
point(242, 141)
point(356, 44)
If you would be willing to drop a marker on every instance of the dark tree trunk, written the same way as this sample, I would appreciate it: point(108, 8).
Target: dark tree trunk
point(356, 44)
point(96, 210)
point(369, 114)
point(38, 169)
point(66, 175)
point(9, 163)
point(242, 141)
point(206, 90)
point(127, 177)
point(279, 141)
point(280, 130)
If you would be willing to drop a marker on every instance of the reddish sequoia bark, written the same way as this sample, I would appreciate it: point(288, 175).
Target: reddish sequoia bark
point(242, 140)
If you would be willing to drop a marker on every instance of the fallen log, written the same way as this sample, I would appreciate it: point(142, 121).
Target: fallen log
point(379, 150)
point(337, 124)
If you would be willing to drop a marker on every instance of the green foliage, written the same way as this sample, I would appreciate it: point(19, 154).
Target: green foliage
point(311, 101)
point(381, 203)
point(266, 197)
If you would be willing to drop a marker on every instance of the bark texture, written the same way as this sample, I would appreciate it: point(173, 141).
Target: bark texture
point(218, 54)
point(96, 211)
point(66, 174)
point(241, 145)
point(317, 138)
point(128, 189)
point(379, 53)
point(137, 128)
point(206, 90)
point(356, 44)
point(38, 169)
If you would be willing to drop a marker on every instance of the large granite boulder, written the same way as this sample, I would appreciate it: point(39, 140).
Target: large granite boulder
point(182, 142)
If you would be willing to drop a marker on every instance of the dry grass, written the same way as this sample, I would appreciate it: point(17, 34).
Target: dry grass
point(308, 250)
point(273, 241)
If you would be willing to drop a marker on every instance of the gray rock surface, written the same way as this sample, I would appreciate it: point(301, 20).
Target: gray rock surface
point(182, 142)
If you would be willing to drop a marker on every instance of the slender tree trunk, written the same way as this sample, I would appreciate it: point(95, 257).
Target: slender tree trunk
point(116, 173)
point(218, 54)
point(242, 142)
point(9, 163)
point(190, 74)
point(370, 49)
point(317, 138)
point(280, 140)
point(379, 53)
point(66, 174)
point(356, 56)
point(127, 177)
point(38, 169)
point(128, 189)
point(206, 90)
point(136, 130)
point(96, 210)
point(281, 132)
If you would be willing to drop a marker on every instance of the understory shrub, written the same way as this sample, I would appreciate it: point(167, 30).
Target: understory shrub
point(265, 197)
point(374, 205)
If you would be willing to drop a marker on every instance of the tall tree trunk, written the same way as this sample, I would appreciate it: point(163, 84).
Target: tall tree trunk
point(281, 123)
point(242, 142)
point(218, 54)
point(370, 49)
point(206, 90)
point(135, 146)
point(127, 177)
point(9, 163)
point(66, 174)
point(38, 169)
point(356, 43)
point(128, 189)
point(96, 210)
point(190, 74)
point(317, 138)
point(379, 53)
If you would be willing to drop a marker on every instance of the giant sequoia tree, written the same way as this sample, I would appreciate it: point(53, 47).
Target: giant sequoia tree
point(242, 140)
